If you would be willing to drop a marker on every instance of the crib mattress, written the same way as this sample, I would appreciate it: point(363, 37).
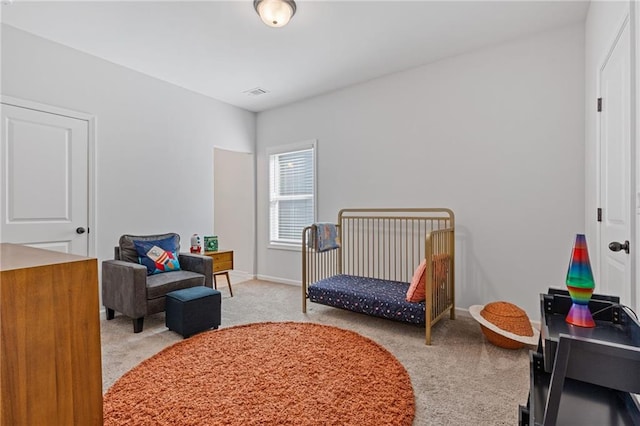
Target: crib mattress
point(372, 296)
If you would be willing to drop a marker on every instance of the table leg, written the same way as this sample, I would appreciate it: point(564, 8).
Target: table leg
point(229, 283)
point(215, 281)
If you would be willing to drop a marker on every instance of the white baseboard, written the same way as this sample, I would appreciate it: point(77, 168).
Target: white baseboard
point(462, 312)
point(279, 280)
point(239, 276)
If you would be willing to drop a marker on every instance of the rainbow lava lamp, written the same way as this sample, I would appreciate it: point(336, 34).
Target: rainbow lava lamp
point(580, 284)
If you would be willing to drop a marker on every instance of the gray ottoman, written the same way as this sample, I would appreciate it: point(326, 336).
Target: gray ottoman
point(192, 310)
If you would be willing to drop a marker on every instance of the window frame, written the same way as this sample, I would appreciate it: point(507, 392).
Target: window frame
point(284, 149)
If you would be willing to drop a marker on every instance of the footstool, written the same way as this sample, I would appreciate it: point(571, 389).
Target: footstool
point(192, 310)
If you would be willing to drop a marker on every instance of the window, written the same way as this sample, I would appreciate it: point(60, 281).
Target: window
point(292, 192)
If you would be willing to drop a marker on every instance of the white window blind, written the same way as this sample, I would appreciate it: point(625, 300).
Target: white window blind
point(292, 194)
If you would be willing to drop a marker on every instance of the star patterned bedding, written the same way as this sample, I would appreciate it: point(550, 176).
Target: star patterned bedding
point(372, 296)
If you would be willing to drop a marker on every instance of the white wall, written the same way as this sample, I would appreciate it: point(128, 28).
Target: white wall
point(496, 134)
point(155, 140)
point(602, 25)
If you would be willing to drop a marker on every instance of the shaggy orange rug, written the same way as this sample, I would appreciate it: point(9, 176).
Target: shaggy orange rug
point(265, 374)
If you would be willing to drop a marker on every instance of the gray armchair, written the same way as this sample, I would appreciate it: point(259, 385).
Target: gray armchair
point(128, 289)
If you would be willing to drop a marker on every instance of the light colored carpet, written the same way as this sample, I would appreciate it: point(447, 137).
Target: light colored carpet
point(270, 373)
point(460, 379)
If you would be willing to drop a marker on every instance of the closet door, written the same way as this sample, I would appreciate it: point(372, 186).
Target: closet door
point(615, 167)
point(45, 165)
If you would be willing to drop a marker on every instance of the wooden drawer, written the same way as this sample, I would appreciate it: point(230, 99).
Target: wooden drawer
point(222, 261)
point(222, 266)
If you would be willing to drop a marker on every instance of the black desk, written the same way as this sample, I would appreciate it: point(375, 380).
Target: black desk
point(584, 376)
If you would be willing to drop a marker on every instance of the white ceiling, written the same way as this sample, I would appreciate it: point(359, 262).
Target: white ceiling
point(221, 48)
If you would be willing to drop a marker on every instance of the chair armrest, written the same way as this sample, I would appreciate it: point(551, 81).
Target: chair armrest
point(124, 287)
point(198, 263)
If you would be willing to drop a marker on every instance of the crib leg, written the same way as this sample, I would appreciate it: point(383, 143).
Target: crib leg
point(427, 327)
point(452, 313)
point(304, 301)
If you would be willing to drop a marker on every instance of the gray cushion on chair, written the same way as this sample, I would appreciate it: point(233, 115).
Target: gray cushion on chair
point(159, 285)
point(128, 251)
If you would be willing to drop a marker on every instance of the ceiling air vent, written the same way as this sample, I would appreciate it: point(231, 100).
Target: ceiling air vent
point(256, 91)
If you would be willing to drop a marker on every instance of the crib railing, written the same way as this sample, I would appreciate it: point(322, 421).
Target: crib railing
point(316, 265)
point(440, 284)
point(386, 244)
point(389, 244)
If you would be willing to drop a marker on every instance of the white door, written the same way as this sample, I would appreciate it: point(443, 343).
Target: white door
point(615, 166)
point(44, 171)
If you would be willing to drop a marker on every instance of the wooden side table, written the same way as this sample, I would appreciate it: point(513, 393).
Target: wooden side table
point(222, 264)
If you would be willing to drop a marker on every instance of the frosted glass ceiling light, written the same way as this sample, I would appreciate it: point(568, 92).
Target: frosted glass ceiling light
point(275, 13)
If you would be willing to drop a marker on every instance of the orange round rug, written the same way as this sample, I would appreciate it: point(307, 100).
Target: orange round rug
point(285, 373)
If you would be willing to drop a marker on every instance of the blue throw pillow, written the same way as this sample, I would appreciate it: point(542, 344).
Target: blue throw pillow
point(158, 256)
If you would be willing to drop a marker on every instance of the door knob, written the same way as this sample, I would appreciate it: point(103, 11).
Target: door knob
point(80, 230)
point(616, 246)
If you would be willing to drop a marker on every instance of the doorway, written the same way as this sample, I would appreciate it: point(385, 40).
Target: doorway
point(234, 208)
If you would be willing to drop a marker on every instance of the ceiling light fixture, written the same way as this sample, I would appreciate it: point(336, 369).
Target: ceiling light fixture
point(275, 13)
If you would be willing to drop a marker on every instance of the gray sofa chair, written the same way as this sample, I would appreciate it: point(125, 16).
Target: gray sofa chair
point(128, 289)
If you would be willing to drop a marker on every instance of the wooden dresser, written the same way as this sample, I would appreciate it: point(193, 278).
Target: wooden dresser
point(50, 365)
